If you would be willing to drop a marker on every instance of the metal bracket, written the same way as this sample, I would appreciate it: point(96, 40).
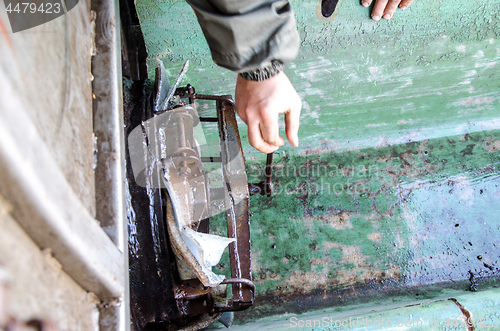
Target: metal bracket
point(236, 193)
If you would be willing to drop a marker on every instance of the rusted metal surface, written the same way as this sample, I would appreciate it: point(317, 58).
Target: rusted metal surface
point(265, 187)
point(234, 173)
point(134, 53)
point(108, 120)
point(190, 289)
point(151, 261)
point(236, 189)
point(269, 180)
point(189, 301)
point(188, 190)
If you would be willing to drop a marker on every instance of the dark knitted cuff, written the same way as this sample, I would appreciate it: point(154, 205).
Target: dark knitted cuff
point(261, 74)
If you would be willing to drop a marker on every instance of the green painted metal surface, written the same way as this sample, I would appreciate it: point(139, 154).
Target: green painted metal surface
point(411, 221)
point(438, 315)
point(393, 193)
point(430, 71)
point(471, 311)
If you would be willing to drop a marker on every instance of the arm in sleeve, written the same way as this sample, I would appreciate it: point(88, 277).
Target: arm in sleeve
point(246, 35)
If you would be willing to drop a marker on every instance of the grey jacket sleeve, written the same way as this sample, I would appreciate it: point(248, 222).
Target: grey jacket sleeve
point(245, 35)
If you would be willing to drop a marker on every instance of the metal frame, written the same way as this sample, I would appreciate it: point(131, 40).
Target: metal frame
point(237, 215)
point(110, 167)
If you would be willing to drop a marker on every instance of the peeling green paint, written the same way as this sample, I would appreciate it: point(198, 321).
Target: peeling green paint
point(429, 72)
point(409, 215)
point(406, 216)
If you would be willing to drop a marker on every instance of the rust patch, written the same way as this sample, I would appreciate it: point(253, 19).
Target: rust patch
point(339, 221)
point(352, 254)
point(347, 172)
point(321, 150)
point(469, 323)
point(319, 261)
point(372, 217)
point(305, 282)
point(324, 141)
point(351, 277)
point(329, 245)
point(422, 147)
point(375, 237)
point(362, 273)
point(386, 158)
point(491, 145)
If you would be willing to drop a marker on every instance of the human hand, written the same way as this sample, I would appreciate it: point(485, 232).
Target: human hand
point(385, 8)
point(259, 105)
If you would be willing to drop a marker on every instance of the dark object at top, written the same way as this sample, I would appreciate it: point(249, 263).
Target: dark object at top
point(328, 7)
